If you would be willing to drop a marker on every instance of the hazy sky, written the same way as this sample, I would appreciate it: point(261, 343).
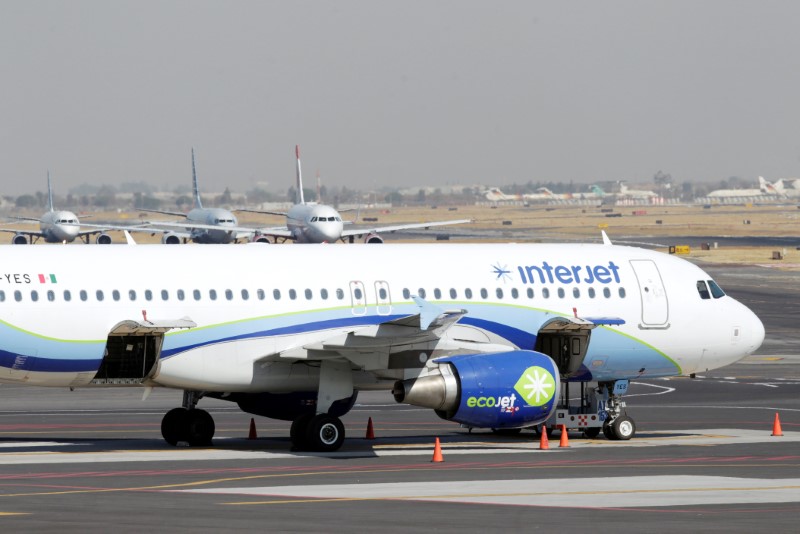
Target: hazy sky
point(404, 92)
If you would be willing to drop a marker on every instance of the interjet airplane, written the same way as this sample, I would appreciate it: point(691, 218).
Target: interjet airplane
point(496, 336)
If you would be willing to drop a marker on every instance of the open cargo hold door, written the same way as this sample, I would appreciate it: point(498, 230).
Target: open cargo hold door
point(565, 339)
point(133, 349)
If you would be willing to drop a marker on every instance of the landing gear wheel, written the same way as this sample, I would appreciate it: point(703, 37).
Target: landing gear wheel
point(592, 432)
point(200, 428)
point(506, 431)
point(325, 433)
point(624, 428)
point(539, 428)
point(608, 431)
point(299, 431)
point(175, 425)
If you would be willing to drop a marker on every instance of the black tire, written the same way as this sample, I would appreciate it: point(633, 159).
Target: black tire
point(624, 428)
point(506, 431)
point(608, 431)
point(200, 428)
point(591, 432)
point(299, 432)
point(175, 426)
point(325, 433)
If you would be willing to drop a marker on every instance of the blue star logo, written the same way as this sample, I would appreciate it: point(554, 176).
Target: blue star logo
point(502, 272)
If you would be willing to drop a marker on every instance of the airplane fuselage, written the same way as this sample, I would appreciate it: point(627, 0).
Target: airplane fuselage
point(314, 223)
point(212, 217)
point(59, 226)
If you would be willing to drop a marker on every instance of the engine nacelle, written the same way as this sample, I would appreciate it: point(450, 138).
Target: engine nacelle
point(499, 390)
point(102, 239)
point(285, 406)
point(19, 239)
point(170, 239)
point(373, 239)
point(260, 239)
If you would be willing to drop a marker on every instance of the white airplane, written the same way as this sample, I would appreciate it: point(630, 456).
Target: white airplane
point(202, 225)
point(309, 222)
point(787, 187)
point(487, 335)
point(765, 189)
point(624, 192)
point(57, 226)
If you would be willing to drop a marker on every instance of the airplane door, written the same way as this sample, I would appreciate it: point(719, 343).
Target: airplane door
point(358, 298)
point(383, 298)
point(655, 306)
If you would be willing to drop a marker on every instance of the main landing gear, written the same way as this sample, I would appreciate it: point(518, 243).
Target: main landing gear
point(319, 433)
point(188, 424)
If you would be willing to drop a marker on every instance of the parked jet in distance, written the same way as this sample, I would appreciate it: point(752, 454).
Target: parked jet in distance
point(202, 225)
point(635, 194)
point(787, 187)
point(765, 189)
point(57, 226)
point(309, 222)
point(487, 335)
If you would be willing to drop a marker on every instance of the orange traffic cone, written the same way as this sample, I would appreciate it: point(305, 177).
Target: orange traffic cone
point(544, 444)
point(437, 452)
point(370, 431)
point(252, 434)
point(776, 426)
point(564, 442)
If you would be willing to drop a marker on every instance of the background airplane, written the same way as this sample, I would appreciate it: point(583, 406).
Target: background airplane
point(57, 226)
point(635, 194)
point(310, 222)
point(765, 189)
point(202, 225)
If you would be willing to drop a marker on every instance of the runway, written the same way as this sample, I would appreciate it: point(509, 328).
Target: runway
point(704, 458)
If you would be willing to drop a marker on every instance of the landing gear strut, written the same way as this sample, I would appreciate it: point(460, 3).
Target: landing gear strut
point(188, 424)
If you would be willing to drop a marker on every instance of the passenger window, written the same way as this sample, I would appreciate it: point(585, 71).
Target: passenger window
point(484, 293)
point(245, 294)
point(622, 292)
point(132, 295)
point(716, 291)
point(293, 294)
point(324, 294)
point(468, 293)
point(164, 295)
point(261, 294)
point(115, 295)
point(561, 292)
point(340, 294)
point(18, 296)
point(545, 293)
point(2, 296)
point(212, 294)
point(499, 293)
point(67, 295)
point(84, 296)
point(34, 296)
point(382, 294)
point(51, 296)
point(229, 294)
point(591, 292)
point(514, 293)
point(437, 294)
point(148, 295)
point(276, 294)
point(530, 292)
point(576, 292)
point(453, 293)
point(99, 295)
point(406, 293)
point(196, 294)
point(703, 290)
point(309, 294)
point(181, 294)
point(606, 293)
point(421, 293)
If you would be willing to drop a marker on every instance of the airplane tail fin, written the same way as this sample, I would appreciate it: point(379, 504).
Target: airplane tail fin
point(769, 188)
point(197, 202)
point(300, 199)
point(49, 193)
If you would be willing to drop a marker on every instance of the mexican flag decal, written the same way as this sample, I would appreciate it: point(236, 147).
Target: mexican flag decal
point(47, 278)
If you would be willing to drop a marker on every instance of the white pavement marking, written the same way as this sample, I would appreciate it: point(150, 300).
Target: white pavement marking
point(32, 444)
point(391, 447)
point(603, 492)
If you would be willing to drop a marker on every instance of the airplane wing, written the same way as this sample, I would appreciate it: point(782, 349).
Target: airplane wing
point(164, 212)
point(399, 227)
point(263, 212)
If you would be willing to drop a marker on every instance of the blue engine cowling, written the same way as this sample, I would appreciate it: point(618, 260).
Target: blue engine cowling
point(500, 390)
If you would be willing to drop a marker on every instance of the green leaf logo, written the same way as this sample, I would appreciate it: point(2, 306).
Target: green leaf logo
point(536, 386)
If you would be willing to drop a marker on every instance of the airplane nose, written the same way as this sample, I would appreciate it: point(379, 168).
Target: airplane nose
point(757, 333)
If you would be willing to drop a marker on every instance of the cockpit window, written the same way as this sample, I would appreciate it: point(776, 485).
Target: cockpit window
point(703, 290)
point(313, 219)
point(716, 291)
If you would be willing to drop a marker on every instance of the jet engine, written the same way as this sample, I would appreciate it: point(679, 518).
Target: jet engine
point(261, 239)
point(373, 239)
point(19, 239)
point(102, 239)
point(170, 239)
point(500, 390)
